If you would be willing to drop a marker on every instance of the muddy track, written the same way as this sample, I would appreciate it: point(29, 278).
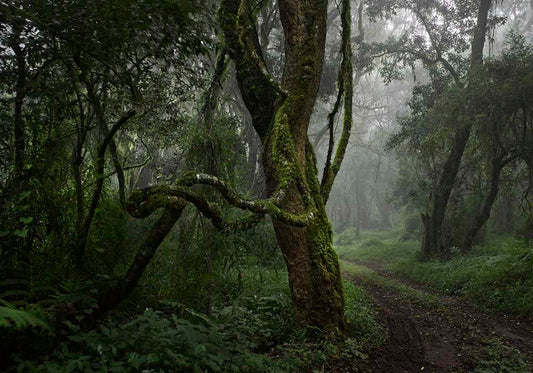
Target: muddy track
point(450, 338)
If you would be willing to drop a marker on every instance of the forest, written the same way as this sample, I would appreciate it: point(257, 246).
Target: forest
point(266, 186)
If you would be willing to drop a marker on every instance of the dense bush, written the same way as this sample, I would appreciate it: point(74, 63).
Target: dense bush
point(153, 343)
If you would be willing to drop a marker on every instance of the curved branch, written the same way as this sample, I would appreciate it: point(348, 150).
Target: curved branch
point(143, 202)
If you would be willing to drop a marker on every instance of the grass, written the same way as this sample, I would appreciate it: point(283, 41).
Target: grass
point(497, 275)
point(365, 275)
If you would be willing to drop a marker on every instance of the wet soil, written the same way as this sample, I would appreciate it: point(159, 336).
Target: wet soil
point(453, 337)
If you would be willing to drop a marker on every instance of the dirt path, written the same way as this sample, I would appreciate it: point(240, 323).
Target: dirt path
point(444, 335)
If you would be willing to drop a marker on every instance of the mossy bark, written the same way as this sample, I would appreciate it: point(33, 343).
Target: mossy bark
point(280, 115)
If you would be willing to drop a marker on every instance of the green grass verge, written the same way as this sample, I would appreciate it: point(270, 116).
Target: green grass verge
point(498, 275)
point(367, 276)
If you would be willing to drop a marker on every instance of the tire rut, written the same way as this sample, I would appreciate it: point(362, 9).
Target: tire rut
point(436, 339)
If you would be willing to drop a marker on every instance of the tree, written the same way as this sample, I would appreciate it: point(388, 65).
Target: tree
point(444, 50)
point(280, 116)
point(434, 218)
point(72, 74)
point(507, 130)
point(106, 77)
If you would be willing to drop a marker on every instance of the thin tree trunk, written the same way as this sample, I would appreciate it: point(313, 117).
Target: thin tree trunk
point(78, 187)
point(484, 213)
point(120, 173)
point(145, 253)
point(83, 232)
point(20, 94)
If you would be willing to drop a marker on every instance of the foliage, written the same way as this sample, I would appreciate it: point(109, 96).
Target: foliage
point(154, 343)
point(13, 318)
point(347, 237)
point(494, 356)
point(232, 339)
point(361, 317)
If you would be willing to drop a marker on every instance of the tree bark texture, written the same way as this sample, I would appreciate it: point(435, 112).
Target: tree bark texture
point(281, 119)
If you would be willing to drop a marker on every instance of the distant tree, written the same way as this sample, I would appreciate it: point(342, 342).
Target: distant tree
point(443, 49)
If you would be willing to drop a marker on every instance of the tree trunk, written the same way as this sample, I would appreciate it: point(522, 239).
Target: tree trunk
point(20, 93)
point(484, 213)
point(83, 232)
point(253, 150)
point(312, 264)
point(281, 118)
point(146, 251)
point(432, 221)
point(120, 173)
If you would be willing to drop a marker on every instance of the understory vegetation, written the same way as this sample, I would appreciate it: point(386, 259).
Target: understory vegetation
point(250, 326)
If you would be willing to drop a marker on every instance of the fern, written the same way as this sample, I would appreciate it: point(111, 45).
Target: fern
point(18, 319)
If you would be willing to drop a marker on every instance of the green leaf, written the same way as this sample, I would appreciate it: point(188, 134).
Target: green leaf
point(21, 233)
point(18, 319)
point(26, 220)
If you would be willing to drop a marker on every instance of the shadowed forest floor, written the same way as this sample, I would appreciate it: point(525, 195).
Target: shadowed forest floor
point(437, 333)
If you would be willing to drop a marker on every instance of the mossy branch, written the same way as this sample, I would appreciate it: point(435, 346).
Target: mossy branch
point(143, 202)
point(259, 89)
point(250, 42)
point(346, 84)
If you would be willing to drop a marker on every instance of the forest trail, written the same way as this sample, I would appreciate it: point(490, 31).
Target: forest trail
point(429, 332)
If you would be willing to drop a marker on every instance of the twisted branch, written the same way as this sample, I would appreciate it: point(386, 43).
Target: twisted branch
point(143, 202)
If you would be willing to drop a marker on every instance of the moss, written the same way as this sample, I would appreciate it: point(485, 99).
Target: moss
point(284, 154)
point(320, 241)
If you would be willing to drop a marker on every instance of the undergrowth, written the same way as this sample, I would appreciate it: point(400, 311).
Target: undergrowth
point(255, 332)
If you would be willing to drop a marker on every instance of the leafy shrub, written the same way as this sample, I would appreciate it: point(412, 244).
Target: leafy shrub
point(12, 318)
point(152, 343)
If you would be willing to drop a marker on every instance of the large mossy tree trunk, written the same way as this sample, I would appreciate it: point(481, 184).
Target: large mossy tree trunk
point(281, 116)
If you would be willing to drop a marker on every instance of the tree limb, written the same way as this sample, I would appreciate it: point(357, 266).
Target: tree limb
point(330, 172)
